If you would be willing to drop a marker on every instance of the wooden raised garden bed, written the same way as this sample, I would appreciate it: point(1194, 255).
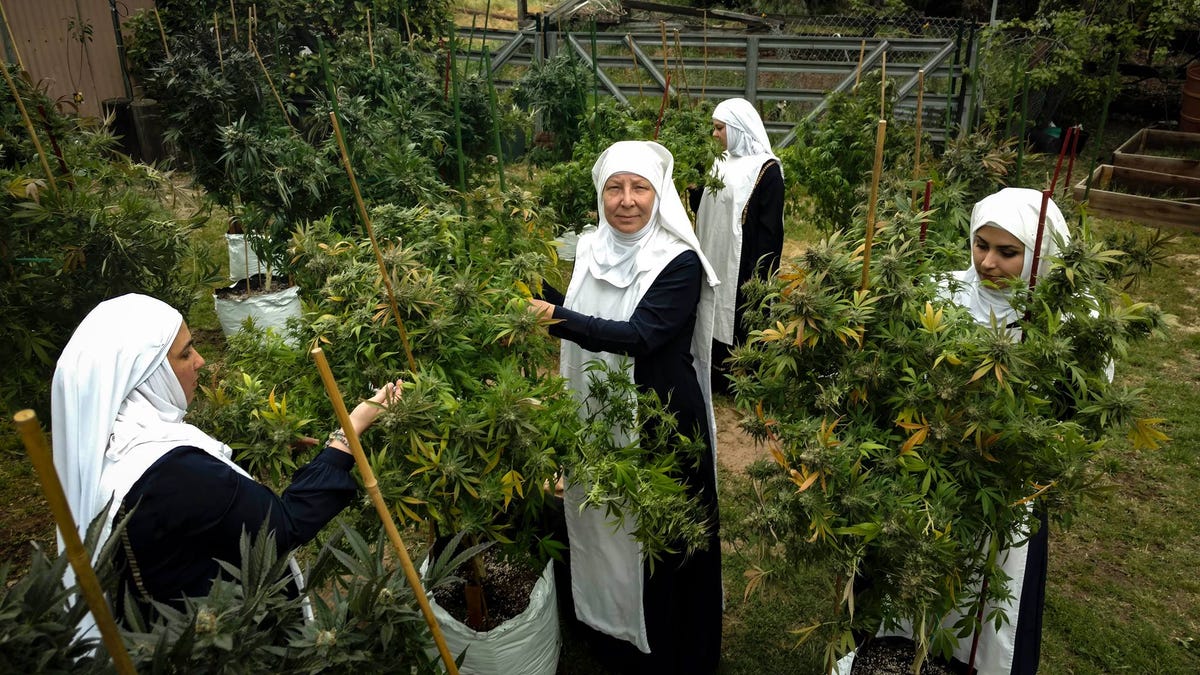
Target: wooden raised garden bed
point(1147, 197)
point(1173, 152)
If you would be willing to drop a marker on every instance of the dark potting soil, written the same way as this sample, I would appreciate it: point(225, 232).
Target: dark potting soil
point(506, 590)
point(894, 656)
point(257, 283)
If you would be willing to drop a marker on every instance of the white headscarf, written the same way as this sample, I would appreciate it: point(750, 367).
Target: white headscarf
point(745, 134)
point(1014, 210)
point(719, 220)
point(612, 273)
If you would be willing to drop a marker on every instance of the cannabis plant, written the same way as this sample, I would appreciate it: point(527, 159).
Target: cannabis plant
point(909, 442)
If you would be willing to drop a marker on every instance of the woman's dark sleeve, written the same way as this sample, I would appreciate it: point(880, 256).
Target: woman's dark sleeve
point(762, 233)
point(664, 310)
point(695, 194)
point(551, 294)
point(202, 493)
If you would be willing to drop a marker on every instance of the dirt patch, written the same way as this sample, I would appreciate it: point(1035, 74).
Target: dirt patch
point(735, 448)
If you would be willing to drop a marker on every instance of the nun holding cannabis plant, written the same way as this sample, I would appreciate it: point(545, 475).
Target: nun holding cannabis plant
point(638, 302)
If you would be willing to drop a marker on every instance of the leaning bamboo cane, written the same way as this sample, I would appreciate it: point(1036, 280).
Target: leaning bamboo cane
point(217, 34)
point(383, 272)
point(862, 48)
point(162, 33)
point(875, 174)
point(37, 144)
point(1064, 141)
point(11, 40)
point(637, 71)
point(385, 515)
point(270, 83)
point(370, 39)
point(1037, 242)
point(882, 85)
point(89, 585)
point(233, 19)
point(1071, 159)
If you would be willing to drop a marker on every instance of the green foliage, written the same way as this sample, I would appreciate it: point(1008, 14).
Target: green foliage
point(832, 159)
point(558, 89)
point(102, 232)
point(567, 186)
point(908, 438)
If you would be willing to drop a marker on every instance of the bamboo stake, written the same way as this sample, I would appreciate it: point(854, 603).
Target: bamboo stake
point(1037, 242)
point(162, 33)
point(882, 85)
point(1062, 151)
point(682, 69)
point(217, 33)
point(862, 49)
point(233, 18)
point(666, 49)
point(37, 145)
point(663, 106)
point(920, 110)
point(271, 84)
point(637, 70)
point(362, 212)
point(370, 39)
point(89, 585)
point(11, 40)
point(487, 59)
point(458, 145)
point(875, 174)
point(385, 515)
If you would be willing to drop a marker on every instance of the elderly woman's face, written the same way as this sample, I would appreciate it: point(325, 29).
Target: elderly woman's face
point(186, 362)
point(999, 256)
point(628, 202)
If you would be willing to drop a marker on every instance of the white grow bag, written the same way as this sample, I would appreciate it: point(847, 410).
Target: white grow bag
point(270, 310)
point(242, 257)
point(527, 644)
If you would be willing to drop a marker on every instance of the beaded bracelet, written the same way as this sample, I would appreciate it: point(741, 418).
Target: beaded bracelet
point(338, 435)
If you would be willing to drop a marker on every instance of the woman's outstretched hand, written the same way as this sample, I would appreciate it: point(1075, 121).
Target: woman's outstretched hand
point(366, 412)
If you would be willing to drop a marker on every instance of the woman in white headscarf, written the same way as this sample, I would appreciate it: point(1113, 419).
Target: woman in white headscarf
point(636, 301)
point(120, 391)
point(1003, 236)
point(740, 226)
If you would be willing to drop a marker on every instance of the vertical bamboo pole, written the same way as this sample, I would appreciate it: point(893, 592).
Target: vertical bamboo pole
point(862, 50)
point(595, 78)
point(1071, 158)
point(42, 460)
point(233, 19)
point(362, 213)
point(370, 39)
point(162, 33)
point(487, 15)
point(883, 86)
point(682, 68)
point(925, 208)
point(381, 508)
point(217, 34)
point(37, 144)
point(1064, 141)
point(1037, 242)
point(662, 25)
point(662, 108)
point(880, 134)
point(250, 27)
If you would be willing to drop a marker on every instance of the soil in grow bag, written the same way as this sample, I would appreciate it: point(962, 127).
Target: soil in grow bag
point(506, 590)
point(894, 656)
point(257, 283)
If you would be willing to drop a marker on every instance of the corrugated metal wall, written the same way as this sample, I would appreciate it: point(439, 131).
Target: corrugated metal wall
point(41, 31)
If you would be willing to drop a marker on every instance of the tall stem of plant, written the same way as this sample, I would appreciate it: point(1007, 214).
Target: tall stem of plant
point(37, 144)
point(381, 507)
point(89, 585)
point(383, 271)
point(880, 134)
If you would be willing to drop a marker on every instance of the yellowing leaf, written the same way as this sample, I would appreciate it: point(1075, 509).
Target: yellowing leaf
point(1144, 436)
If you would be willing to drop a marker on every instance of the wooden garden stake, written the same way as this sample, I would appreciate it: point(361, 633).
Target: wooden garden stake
point(217, 34)
point(37, 145)
point(875, 174)
point(882, 85)
point(271, 84)
point(682, 68)
point(383, 271)
point(663, 106)
point(385, 515)
point(162, 33)
point(233, 18)
point(370, 39)
point(11, 40)
point(666, 49)
point(862, 48)
point(637, 71)
point(89, 585)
